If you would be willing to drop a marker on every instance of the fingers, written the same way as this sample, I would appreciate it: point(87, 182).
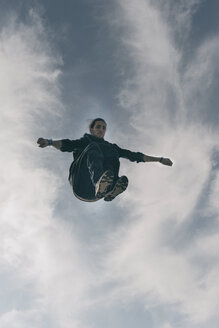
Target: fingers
point(167, 161)
point(42, 142)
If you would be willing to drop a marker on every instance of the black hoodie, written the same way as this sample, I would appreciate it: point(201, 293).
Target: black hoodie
point(79, 176)
point(77, 146)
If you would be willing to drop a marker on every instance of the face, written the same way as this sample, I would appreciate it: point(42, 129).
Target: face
point(99, 129)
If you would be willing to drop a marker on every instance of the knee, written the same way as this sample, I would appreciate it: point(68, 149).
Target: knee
point(94, 148)
point(93, 145)
point(94, 153)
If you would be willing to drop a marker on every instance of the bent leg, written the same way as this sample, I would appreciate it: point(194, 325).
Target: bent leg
point(87, 170)
point(112, 164)
point(94, 162)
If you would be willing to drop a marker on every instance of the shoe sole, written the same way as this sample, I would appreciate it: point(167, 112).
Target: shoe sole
point(120, 186)
point(105, 183)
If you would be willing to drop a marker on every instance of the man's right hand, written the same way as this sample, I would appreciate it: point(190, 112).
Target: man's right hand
point(42, 142)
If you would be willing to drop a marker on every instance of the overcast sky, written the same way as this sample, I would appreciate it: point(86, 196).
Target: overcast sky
point(150, 258)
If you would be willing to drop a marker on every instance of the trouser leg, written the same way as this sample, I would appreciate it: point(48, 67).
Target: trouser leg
point(95, 162)
point(112, 163)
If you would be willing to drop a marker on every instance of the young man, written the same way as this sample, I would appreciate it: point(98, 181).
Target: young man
point(94, 173)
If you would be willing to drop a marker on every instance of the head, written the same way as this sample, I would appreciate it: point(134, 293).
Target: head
point(98, 127)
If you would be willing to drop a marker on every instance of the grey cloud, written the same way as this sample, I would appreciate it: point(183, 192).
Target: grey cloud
point(144, 261)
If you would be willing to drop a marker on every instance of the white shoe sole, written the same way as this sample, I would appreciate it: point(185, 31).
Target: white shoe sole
point(120, 186)
point(104, 184)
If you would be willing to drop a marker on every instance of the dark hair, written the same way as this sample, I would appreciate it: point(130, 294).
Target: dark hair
point(92, 123)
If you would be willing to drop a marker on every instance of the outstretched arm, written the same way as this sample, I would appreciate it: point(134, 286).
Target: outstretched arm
point(48, 142)
point(164, 161)
point(139, 157)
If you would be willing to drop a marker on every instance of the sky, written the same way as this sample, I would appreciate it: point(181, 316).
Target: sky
point(150, 257)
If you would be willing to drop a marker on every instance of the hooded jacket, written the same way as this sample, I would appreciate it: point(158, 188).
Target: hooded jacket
point(77, 147)
point(79, 176)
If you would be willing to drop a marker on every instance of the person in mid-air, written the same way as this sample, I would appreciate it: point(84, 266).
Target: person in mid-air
point(94, 173)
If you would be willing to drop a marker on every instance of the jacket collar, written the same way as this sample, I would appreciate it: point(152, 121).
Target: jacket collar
point(93, 138)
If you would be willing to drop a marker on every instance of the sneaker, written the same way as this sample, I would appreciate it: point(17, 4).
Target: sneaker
point(104, 184)
point(120, 186)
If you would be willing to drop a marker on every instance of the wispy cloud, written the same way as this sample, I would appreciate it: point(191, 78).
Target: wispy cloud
point(43, 275)
point(165, 253)
point(158, 256)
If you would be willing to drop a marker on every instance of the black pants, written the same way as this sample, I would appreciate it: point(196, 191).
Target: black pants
point(99, 161)
point(89, 167)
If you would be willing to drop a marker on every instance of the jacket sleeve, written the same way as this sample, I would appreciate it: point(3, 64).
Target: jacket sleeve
point(72, 145)
point(132, 156)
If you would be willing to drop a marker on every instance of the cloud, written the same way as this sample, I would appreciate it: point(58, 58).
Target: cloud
point(158, 255)
point(200, 80)
point(43, 268)
point(162, 252)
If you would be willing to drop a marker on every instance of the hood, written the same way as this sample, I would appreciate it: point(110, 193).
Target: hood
point(93, 138)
